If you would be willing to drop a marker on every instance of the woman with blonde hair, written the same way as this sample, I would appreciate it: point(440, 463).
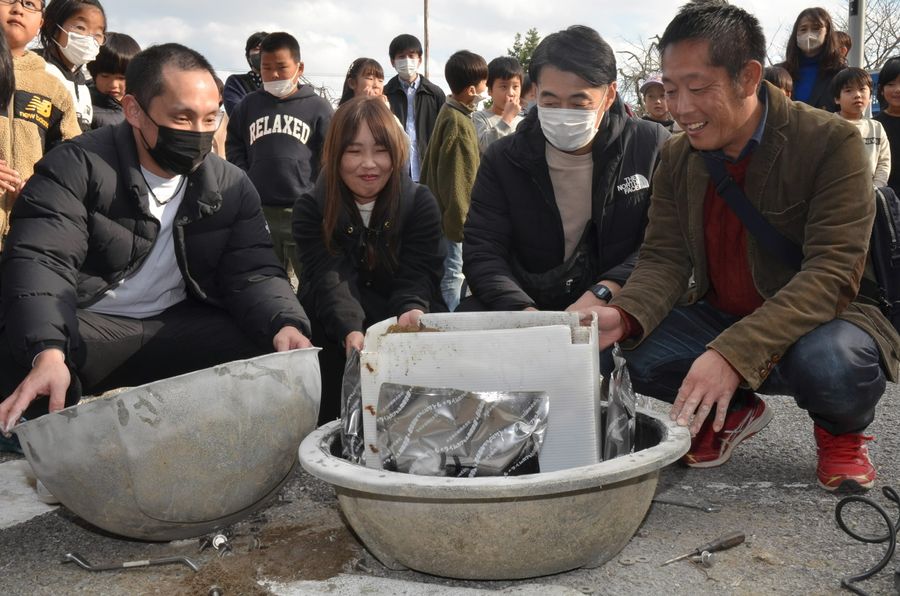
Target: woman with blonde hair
point(369, 239)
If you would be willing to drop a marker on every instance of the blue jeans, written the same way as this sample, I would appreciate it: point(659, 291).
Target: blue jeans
point(833, 372)
point(451, 283)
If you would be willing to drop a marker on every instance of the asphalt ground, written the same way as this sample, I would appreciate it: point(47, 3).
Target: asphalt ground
point(300, 545)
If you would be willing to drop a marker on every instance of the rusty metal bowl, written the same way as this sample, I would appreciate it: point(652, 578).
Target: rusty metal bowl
point(182, 456)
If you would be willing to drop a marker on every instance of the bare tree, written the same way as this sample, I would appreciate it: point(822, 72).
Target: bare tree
point(640, 60)
point(882, 31)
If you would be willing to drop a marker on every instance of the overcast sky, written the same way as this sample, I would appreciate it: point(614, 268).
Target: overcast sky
point(333, 33)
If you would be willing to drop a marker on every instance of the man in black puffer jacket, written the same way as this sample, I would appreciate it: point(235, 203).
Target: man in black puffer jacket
point(559, 208)
point(134, 255)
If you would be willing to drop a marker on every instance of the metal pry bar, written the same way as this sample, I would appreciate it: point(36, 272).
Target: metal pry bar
point(81, 562)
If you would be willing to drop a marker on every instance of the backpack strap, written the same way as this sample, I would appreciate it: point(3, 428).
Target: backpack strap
point(771, 239)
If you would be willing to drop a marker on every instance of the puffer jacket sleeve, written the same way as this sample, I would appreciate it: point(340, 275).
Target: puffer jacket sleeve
point(330, 282)
point(254, 286)
point(421, 259)
point(46, 246)
point(651, 140)
point(486, 242)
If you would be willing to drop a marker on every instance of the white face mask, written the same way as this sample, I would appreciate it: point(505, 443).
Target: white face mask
point(567, 129)
point(809, 42)
point(79, 49)
point(406, 67)
point(281, 87)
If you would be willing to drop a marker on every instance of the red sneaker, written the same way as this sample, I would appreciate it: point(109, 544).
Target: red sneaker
point(710, 449)
point(844, 462)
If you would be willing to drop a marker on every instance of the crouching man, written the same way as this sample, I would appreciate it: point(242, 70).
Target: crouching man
point(749, 321)
point(134, 255)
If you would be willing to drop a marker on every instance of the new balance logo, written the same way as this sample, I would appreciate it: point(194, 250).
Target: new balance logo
point(40, 106)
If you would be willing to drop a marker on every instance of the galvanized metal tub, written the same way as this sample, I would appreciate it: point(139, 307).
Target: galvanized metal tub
point(505, 527)
point(182, 456)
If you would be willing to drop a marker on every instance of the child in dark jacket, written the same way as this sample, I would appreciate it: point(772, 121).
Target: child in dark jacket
point(108, 78)
point(276, 135)
point(369, 239)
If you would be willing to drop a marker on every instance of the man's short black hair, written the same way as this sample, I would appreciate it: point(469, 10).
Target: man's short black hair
point(253, 42)
point(463, 69)
point(734, 35)
point(144, 77)
point(579, 50)
point(404, 42)
point(114, 55)
point(851, 76)
point(504, 68)
point(889, 72)
point(280, 41)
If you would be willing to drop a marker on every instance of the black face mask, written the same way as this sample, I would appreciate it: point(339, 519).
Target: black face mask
point(255, 60)
point(179, 151)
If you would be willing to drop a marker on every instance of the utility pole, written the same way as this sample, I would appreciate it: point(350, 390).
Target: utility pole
point(426, 39)
point(857, 25)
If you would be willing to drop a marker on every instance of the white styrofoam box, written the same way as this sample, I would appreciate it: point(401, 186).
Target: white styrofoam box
point(497, 351)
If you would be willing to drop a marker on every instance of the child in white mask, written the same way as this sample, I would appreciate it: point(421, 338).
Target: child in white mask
point(72, 34)
point(413, 98)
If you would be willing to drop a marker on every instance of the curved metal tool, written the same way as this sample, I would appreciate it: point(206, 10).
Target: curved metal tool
point(81, 562)
point(689, 503)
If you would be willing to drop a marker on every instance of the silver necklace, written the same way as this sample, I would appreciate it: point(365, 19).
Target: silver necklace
point(172, 196)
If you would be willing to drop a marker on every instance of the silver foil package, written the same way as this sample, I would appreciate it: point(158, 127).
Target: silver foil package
point(621, 401)
point(352, 442)
point(450, 432)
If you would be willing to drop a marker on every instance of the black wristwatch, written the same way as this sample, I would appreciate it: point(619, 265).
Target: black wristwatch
point(602, 292)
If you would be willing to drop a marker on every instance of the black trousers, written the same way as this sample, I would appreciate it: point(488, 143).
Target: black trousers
point(112, 351)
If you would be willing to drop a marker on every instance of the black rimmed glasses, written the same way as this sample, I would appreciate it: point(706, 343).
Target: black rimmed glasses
point(80, 29)
point(29, 5)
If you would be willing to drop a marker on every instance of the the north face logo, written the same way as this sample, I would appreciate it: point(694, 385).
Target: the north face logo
point(633, 184)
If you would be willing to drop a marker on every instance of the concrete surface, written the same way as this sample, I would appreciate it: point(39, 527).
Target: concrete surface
point(300, 545)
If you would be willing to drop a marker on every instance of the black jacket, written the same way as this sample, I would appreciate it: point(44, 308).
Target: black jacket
point(107, 111)
point(82, 224)
point(278, 142)
point(514, 223)
point(428, 102)
point(341, 293)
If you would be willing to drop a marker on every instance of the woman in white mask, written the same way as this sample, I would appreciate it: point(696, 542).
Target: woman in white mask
point(813, 58)
point(72, 34)
point(559, 207)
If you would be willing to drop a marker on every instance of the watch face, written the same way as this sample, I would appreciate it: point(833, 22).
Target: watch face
point(602, 292)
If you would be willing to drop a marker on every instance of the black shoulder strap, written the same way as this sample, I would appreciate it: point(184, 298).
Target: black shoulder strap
point(770, 238)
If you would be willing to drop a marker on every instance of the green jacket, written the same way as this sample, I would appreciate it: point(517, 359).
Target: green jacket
point(450, 164)
point(810, 179)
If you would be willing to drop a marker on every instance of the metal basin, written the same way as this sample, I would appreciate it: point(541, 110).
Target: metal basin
point(183, 456)
point(499, 528)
